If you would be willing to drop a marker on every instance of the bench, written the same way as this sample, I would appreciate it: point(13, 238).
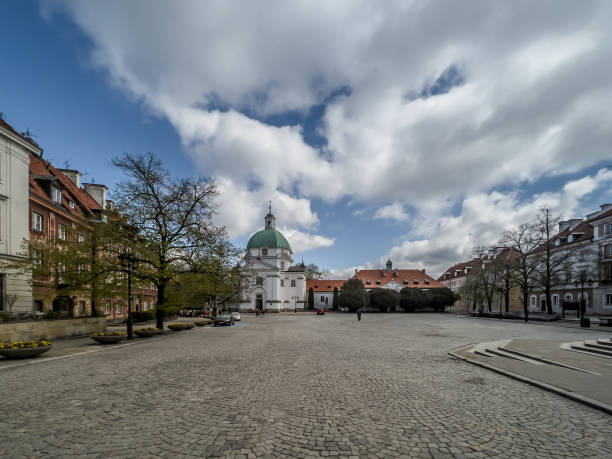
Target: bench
point(605, 321)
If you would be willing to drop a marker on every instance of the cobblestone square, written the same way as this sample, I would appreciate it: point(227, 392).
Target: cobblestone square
point(297, 386)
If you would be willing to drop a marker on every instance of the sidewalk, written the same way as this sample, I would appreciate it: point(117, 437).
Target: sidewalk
point(584, 378)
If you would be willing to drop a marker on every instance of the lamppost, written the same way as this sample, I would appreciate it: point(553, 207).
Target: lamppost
point(128, 261)
point(581, 280)
point(500, 290)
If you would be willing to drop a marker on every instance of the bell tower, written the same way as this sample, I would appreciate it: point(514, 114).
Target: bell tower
point(270, 219)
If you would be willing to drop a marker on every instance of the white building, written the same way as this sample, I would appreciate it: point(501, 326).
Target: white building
point(271, 282)
point(15, 287)
point(323, 291)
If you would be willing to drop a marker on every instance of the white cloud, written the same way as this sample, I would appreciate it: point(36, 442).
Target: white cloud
point(527, 107)
point(302, 242)
point(394, 211)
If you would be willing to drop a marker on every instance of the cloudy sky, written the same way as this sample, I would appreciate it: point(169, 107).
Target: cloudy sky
point(408, 129)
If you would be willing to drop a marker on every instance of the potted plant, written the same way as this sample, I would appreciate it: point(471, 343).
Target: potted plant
point(109, 337)
point(145, 332)
point(24, 349)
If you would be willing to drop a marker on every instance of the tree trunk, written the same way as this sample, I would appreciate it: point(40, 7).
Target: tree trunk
point(525, 305)
point(549, 310)
point(159, 316)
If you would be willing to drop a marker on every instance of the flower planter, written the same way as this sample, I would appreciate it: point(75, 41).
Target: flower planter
point(202, 323)
point(108, 339)
point(180, 327)
point(24, 352)
point(145, 333)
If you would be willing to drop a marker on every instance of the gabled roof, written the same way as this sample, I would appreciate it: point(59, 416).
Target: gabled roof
point(406, 277)
point(459, 267)
point(583, 232)
point(41, 170)
point(324, 285)
point(607, 213)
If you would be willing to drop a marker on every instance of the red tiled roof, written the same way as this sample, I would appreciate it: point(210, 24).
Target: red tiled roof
point(397, 275)
point(324, 285)
point(41, 168)
point(459, 267)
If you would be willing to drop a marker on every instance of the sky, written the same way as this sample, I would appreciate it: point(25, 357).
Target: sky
point(405, 129)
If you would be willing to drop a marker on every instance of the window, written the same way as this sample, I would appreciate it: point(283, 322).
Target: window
point(570, 238)
point(37, 258)
point(322, 299)
point(145, 305)
point(608, 250)
point(119, 309)
point(107, 307)
point(414, 281)
point(56, 195)
point(283, 265)
point(282, 283)
point(368, 281)
point(264, 251)
point(568, 297)
point(606, 272)
point(293, 282)
point(81, 238)
point(259, 281)
point(608, 299)
point(71, 204)
point(61, 232)
point(532, 300)
point(608, 228)
point(555, 300)
point(37, 222)
point(61, 269)
point(81, 307)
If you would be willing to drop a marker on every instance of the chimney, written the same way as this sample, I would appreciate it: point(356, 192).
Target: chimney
point(73, 176)
point(563, 225)
point(98, 192)
point(605, 207)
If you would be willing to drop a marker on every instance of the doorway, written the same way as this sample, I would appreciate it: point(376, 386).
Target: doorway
point(259, 302)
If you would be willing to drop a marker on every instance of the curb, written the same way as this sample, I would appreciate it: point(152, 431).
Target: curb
point(542, 385)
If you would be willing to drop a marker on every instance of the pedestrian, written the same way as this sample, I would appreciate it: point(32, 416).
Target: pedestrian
point(257, 312)
point(359, 315)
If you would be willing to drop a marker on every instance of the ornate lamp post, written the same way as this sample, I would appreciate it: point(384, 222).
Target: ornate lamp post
point(582, 279)
point(128, 262)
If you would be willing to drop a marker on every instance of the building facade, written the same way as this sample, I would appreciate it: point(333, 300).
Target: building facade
point(396, 279)
point(454, 278)
point(270, 282)
point(323, 291)
point(15, 286)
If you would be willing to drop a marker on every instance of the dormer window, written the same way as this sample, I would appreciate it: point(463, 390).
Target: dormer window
point(426, 281)
point(71, 204)
point(377, 281)
point(557, 242)
point(405, 281)
point(368, 282)
point(570, 238)
point(56, 195)
point(414, 281)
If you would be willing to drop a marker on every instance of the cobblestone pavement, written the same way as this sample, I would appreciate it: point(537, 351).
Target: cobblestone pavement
point(300, 386)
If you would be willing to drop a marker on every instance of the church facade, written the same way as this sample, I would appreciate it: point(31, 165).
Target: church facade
point(270, 281)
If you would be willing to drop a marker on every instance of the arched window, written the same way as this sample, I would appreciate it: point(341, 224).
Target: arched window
point(532, 300)
point(282, 282)
point(555, 300)
point(586, 299)
point(293, 282)
point(264, 251)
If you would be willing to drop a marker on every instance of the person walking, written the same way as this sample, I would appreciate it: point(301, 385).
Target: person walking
point(359, 315)
point(257, 312)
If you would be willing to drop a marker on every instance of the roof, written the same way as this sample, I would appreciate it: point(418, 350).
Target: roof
point(10, 128)
point(324, 285)
point(297, 268)
point(44, 170)
point(605, 214)
point(407, 277)
point(583, 231)
point(269, 238)
point(460, 268)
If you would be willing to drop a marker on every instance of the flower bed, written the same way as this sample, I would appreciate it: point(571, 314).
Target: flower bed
point(24, 349)
point(180, 327)
point(109, 337)
point(146, 332)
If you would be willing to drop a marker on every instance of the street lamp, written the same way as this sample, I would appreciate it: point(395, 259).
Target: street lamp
point(581, 280)
point(500, 290)
point(129, 261)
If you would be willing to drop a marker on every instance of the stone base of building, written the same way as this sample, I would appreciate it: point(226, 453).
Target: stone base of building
point(51, 329)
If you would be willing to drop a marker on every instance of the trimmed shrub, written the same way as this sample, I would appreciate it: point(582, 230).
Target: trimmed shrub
point(143, 316)
point(352, 294)
point(382, 299)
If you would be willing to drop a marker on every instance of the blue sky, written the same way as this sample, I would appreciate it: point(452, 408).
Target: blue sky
point(391, 131)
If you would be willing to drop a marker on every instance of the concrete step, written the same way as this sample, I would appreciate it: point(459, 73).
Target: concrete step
point(547, 361)
point(596, 345)
point(605, 342)
point(502, 353)
point(592, 350)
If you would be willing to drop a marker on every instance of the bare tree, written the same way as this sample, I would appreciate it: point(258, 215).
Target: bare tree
point(171, 218)
point(488, 272)
point(524, 240)
point(549, 262)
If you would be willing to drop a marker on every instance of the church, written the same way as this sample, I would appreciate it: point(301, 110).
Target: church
point(271, 282)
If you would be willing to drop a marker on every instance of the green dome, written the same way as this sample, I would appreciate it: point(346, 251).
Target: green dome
point(270, 238)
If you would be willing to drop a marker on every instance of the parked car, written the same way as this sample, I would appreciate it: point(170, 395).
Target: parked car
point(236, 316)
point(223, 320)
point(320, 311)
